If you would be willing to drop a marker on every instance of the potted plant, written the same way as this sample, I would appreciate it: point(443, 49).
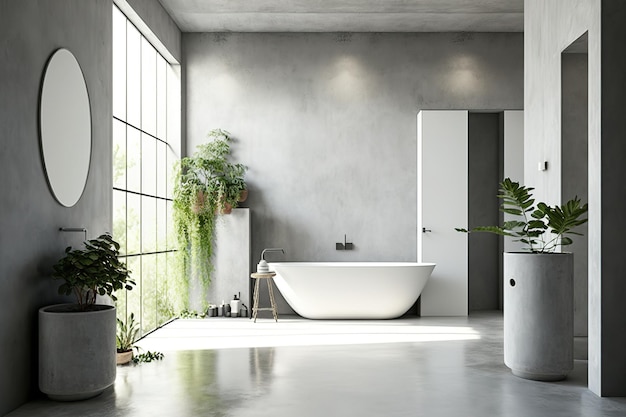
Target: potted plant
point(77, 341)
point(236, 188)
point(538, 283)
point(126, 337)
point(206, 184)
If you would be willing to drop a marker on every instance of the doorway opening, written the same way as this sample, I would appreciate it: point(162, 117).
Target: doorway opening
point(485, 143)
point(574, 171)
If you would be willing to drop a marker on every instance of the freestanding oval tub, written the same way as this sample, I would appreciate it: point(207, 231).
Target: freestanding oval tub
point(351, 290)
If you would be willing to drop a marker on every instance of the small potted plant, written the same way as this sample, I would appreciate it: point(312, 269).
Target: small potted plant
point(538, 283)
point(74, 335)
point(126, 336)
point(234, 186)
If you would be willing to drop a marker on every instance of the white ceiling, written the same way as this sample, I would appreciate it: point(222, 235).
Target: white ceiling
point(347, 15)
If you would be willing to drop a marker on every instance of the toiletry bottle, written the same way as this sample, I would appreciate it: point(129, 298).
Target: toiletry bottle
point(234, 306)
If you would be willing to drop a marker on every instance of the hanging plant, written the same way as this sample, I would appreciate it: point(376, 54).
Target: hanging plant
point(206, 184)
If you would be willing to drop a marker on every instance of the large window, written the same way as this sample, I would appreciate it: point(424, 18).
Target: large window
point(146, 142)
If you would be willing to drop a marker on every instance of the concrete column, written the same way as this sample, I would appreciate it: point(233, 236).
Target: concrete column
point(612, 290)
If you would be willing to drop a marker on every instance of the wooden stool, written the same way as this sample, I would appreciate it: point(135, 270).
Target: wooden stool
point(255, 307)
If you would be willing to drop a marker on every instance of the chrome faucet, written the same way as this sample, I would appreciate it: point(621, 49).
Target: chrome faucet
point(271, 250)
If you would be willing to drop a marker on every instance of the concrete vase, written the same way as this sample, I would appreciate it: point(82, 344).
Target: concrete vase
point(539, 315)
point(77, 355)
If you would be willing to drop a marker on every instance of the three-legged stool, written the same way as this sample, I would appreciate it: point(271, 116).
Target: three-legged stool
point(267, 277)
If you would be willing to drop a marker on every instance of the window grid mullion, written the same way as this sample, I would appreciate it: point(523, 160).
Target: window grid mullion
point(141, 256)
point(156, 170)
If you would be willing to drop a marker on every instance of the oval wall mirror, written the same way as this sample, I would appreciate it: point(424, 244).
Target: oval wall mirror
point(65, 127)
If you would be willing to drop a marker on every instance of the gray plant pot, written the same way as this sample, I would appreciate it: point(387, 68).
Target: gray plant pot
point(77, 355)
point(539, 315)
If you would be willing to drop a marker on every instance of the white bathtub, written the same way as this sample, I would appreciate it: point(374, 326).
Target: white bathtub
point(351, 290)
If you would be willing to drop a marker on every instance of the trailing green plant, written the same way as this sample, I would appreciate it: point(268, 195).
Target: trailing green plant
point(95, 270)
point(205, 184)
point(190, 314)
point(147, 357)
point(542, 228)
point(127, 333)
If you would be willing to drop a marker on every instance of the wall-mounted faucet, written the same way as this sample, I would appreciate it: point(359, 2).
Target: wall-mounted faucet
point(271, 250)
point(263, 266)
point(345, 245)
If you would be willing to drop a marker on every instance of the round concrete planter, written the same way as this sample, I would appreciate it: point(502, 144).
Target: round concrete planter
point(539, 315)
point(76, 351)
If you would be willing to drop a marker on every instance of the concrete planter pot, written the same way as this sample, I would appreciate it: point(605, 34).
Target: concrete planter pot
point(539, 315)
point(77, 355)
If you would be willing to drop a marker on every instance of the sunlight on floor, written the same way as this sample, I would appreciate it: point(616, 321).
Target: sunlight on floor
point(243, 333)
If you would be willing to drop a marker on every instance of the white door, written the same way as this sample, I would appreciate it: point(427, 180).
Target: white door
point(442, 141)
point(513, 161)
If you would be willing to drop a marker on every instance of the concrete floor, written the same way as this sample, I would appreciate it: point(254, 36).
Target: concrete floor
point(406, 367)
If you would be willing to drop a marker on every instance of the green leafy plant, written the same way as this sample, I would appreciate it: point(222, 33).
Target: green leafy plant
point(95, 270)
point(542, 228)
point(205, 184)
point(148, 357)
point(127, 333)
point(190, 314)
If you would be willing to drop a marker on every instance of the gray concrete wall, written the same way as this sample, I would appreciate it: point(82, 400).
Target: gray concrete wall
point(30, 217)
point(30, 242)
point(612, 309)
point(484, 160)
point(574, 156)
point(326, 123)
point(548, 29)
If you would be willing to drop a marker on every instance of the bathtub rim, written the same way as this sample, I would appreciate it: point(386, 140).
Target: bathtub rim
point(353, 264)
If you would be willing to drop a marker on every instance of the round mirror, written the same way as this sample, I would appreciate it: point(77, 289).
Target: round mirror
point(65, 127)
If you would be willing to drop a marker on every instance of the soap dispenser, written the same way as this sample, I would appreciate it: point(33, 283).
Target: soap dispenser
point(234, 306)
point(262, 267)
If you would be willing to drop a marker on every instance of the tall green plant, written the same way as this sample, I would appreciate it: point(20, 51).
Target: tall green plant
point(205, 183)
point(542, 228)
